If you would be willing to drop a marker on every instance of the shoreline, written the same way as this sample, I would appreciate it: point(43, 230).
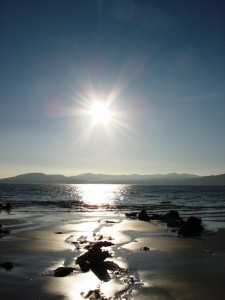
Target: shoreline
point(159, 264)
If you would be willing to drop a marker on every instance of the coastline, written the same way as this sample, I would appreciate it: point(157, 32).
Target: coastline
point(158, 263)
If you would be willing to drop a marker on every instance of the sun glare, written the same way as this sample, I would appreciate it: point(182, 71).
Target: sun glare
point(100, 113)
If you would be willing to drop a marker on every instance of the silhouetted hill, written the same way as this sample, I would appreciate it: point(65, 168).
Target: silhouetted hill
point(207, 180)
point(35, 178)
point(157, 179)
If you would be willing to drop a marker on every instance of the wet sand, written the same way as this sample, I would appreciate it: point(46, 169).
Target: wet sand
point(170, 268)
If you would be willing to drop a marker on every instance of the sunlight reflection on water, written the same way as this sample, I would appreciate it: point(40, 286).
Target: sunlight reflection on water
point(99, 194)
point(72, 287)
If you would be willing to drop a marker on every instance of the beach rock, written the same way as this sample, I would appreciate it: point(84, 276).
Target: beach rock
point(7, 265)
point(175, 223)
point(94, 260)
point(63, 271)
point(156, 217)
point(85, 266)
point(93, 294)
point(143, 216)
point(100, 244)
point(145, 248)
point(100, 237)
point(172, 215)
point(173, 219)
point(132, 215)
point(100, 270)
point(4, 231)
point(191, 227)
point(94, 256)
point(110, 221)
point(6, 206)
point(110, 265)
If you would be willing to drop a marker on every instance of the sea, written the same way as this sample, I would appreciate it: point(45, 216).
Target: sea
point(206, 202)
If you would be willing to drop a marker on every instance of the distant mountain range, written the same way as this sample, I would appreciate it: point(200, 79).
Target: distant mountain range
point(157, 179)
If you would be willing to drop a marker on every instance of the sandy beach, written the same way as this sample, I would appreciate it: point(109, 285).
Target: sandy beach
point(150, 261)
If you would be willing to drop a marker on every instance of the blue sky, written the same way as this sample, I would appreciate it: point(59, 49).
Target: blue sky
point(158, 65)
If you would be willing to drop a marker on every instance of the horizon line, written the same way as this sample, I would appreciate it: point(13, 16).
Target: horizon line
point(106, 174)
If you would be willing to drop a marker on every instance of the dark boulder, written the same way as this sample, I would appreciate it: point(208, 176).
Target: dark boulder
point(143, 216)
point(94, 260)
point(175, 223)
point(173, 219)
point(94, 255)
point(191, 227)
point(171, 215)
point(63, 271)
point(145, 248)
point(7, 265)
point(100, 270)
point(85, 266)
point(6, 206)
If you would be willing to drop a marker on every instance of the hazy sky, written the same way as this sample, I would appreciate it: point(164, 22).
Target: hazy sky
point(158, 65)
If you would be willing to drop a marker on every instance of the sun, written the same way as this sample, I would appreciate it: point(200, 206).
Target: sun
point(100, 113)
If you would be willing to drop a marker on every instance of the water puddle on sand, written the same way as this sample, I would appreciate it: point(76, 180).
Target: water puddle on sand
point(87, 286)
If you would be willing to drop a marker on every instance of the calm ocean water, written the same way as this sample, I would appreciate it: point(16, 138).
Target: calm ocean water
point(207, 202)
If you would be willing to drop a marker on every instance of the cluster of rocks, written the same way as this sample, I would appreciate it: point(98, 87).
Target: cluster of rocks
point(190, 227)
point(142, 215)
point(93, 259)
point(96, 258)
